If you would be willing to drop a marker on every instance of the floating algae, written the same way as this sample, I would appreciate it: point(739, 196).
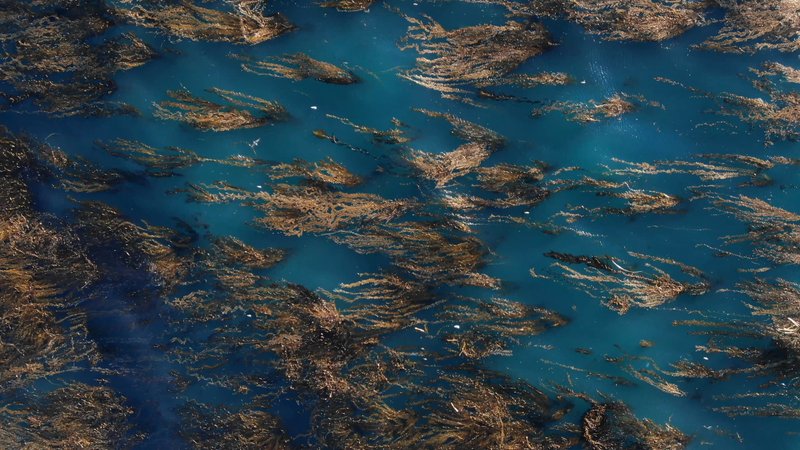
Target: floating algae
point(298, 66)
point(452, 61)
point(622, 288)
point(206, 115)
point(244, 23)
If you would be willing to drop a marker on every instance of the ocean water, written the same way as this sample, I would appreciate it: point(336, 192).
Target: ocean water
point(131, 332)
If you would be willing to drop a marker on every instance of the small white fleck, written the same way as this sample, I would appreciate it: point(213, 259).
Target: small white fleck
point(583, 81)
point(259, 186)
point(527, 212)
point(705, 357)
point(457, 327)
point(314, 107)
point(249, 315)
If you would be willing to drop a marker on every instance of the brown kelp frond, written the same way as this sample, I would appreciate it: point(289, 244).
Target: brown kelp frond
point(246, 23)
point(232, 252)
point(594, 111)
point(468, 131)
point(612, 425)
point(216, 428)
point(489, 327)
point(209, 116)
point(74, 416)
point(394, 135)
point(634, 201)
point(348, 5)
point(450, 61)
point(636, 20)
point(774, 231)
point(518, 185)
point(161, 162)
point(326, 171)
point(427, 254)
point(153, 249)
point(710, 167)
point(753, 25)
point(61, 63)
point(621, 287)
point(298, 66)
point(295, 210)
point(443, 168)
point(780, 301)
point(477, 411)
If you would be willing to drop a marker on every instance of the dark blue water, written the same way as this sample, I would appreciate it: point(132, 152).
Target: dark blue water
point(131, 328)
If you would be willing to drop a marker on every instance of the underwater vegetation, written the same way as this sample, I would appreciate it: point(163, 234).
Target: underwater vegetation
point(399, 225)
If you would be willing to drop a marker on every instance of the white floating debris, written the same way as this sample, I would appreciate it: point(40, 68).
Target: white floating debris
point(583, 81)
point(249, 315)
point(705, 358)
point(259, 186)
point(527, 212)
point(314, 107)
point(457, 327)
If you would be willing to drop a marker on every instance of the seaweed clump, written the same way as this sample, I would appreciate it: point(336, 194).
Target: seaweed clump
point(299, 66)
point(52, 58)
point(753, 25)
point(74, 416)
point(612, 425)
point(241, 110)
point(478, 56)
point(593, 111)
point(623, 288)
point(245, 24)
point(636, 20)
point(348, 5)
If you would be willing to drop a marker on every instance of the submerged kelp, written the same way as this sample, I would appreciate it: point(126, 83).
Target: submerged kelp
point(244, 23)
point(241, 110)
point(298, 66)
point(621, 288)
point(452, 61)
point(52, 63)
point(74, 416)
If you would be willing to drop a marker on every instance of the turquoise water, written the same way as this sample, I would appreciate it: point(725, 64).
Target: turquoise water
point(131, 334)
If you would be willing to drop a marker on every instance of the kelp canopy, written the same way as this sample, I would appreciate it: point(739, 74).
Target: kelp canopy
point(435, 264)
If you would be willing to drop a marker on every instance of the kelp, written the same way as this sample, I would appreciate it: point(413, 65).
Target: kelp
point(392, 136)
point(427, 254)
point(156, 250)
point(43, 269)
point(245, 23)
point(445, 167)
point(612, 425)
point(452, 61)
point(233, 251)
point(326, 171)
point(754, 25)
point(295, 210)
point(774, 231)
point(205, 115)
point(298, 66)
point(73, 416)
point(636, 20)
point(593, 111)
point(52, 58)
point(492, 326)
point(775, 112)
point(622, 288)
point(217, 428)
point(158, 162)
point(711, 167)
point(348, 5)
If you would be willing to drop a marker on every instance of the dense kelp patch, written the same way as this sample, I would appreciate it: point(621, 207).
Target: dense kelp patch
point(239, 110)
point(452, 61)
point(51, 64)
point(243, 22)
point(298, 66)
